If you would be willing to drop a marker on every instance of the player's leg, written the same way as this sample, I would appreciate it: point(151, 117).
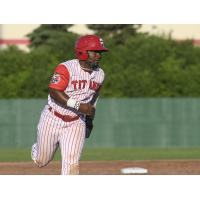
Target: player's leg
point(71, 144)
point(47, 139)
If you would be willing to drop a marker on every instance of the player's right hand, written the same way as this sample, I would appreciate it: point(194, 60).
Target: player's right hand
point(87, 109)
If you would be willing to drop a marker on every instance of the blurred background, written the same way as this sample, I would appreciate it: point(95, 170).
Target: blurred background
point(150, 98)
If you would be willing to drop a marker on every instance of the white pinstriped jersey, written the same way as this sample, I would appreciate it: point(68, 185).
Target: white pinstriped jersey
point(81, 85)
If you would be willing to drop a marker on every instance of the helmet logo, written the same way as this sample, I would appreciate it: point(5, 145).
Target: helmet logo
point(101, 42)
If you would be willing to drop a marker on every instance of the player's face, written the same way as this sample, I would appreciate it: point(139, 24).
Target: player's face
point(94, 56)
point(93, 59)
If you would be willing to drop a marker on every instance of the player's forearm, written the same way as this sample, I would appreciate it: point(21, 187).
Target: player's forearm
point(64, 99)
point(59, 96)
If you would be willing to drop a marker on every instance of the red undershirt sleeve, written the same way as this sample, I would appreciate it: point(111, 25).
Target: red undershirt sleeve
point(60, 78)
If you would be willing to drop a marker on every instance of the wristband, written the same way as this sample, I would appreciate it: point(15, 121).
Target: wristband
point(72, 103)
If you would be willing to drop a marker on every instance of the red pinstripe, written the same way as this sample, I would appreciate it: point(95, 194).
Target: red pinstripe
point(69, 135)
point(71, 143)
point(45, 133)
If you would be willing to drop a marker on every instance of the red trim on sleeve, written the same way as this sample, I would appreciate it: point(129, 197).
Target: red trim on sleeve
point(60, 78)
point(61, 69)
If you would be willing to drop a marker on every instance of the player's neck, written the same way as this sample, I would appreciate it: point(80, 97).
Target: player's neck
point(85, 67)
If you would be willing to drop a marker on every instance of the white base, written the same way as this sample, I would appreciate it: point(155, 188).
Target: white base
point(134, 170)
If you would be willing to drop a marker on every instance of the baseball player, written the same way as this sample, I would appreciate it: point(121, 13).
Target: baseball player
point(67, 118)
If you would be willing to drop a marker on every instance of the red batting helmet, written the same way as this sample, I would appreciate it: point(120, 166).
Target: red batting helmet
point(88, 43)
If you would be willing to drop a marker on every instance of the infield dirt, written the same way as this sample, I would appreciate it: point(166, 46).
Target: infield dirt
point(154, 167)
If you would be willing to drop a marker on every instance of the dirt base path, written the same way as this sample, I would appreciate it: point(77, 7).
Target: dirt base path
point(154, 167)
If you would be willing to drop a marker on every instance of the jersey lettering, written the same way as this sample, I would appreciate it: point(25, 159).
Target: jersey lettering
point(94, 85)
point(81, 84)
point(75, 84)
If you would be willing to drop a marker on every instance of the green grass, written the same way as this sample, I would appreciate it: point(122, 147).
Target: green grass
point(140, 154)
point(15, 155)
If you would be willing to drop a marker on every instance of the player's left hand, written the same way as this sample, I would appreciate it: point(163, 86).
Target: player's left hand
point(87, 109)
point(92, 114)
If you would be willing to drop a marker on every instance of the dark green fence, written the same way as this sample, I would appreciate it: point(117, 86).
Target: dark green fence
point(140, 122)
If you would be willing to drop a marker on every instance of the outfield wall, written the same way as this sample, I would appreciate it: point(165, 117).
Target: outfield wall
point(136, 122)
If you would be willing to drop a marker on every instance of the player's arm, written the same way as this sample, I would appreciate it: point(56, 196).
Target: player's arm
point(57, 87)
point(64, 99)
